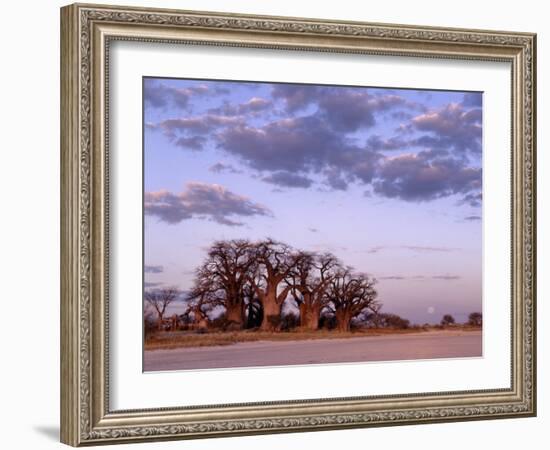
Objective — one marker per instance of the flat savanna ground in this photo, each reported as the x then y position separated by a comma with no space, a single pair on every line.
183,350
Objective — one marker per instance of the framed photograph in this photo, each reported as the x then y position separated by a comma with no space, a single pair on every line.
276,225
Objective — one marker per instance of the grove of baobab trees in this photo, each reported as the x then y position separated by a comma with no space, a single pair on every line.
252,280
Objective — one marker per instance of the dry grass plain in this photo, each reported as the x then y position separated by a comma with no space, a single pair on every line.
191,339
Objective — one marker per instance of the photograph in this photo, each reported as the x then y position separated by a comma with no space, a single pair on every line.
295,224
309,221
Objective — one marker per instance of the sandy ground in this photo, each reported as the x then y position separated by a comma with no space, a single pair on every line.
428,345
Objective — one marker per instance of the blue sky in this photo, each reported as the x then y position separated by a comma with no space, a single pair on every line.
389,180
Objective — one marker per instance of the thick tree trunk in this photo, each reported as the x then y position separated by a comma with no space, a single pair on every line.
309,317
234,314
272,312
343,321
313,318
303,315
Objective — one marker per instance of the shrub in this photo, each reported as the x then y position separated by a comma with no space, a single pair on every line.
328,322
289,322
475,319
395,321
447,320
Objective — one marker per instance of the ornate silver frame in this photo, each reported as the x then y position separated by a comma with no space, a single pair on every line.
86,31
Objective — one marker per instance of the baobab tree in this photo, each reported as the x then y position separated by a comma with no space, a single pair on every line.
159,299
252,281
348,295
274,261
223,275
308,279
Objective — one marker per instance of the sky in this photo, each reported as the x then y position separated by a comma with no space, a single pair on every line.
389,180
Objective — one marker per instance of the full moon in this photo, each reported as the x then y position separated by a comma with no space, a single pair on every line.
431,310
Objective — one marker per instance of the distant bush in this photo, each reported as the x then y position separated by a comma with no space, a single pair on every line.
385,320
395,321
289,322
475,319
447,320
327,322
